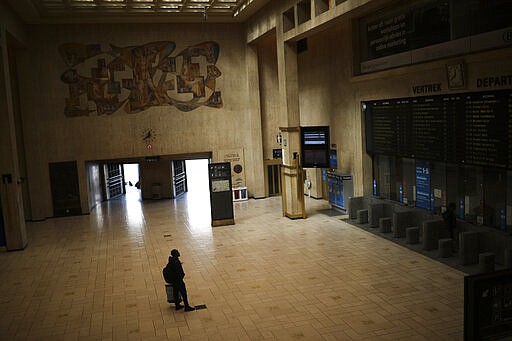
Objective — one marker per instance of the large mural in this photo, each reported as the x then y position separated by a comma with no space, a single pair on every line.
136,78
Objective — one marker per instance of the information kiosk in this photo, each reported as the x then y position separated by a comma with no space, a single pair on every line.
221,200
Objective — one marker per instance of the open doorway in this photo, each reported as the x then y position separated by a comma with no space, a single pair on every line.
131,180
198,196
197,177
155,178
167,179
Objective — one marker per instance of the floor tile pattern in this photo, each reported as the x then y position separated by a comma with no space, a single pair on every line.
99,277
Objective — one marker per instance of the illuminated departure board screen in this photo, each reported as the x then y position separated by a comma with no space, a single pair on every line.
468,128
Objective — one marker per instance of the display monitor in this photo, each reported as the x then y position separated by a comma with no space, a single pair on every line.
315,146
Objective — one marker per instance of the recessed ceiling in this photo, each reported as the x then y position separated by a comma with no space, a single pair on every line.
95,11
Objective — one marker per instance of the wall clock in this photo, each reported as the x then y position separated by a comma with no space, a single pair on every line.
455,75
148,137
238,168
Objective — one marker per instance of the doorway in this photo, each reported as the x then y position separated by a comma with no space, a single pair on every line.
197,176
64,188
167,179
131,180
197,199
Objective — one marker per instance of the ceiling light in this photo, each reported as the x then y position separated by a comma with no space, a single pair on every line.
241,8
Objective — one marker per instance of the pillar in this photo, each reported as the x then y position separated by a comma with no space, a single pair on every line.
256,180
292,176
10,181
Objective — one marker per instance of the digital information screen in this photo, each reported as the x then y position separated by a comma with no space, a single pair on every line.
469,128
315,146
315,138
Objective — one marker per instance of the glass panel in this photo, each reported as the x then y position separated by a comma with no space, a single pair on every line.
396,177
408,182
388,179
383,177
508,213
454,194
489,15
431,24
472,186
481,196
438,178
495,196
418,24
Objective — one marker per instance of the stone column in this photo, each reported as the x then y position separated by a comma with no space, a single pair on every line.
256,180
10,181
291,171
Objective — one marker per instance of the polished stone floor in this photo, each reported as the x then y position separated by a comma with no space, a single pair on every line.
99,277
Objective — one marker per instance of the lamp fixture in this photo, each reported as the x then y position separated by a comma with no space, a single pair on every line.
242,7
205,14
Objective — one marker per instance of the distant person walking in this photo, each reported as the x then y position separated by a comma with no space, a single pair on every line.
450,218
174,274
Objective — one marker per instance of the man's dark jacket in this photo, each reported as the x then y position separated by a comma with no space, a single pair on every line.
173,271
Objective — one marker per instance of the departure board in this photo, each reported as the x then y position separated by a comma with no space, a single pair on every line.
389,126
467,128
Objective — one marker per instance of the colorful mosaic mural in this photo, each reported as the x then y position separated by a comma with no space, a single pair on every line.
136,78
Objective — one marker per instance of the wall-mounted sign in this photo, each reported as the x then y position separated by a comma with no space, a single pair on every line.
236,158
426,89
277,153
494,81
333,158
388,35
423,184
220,186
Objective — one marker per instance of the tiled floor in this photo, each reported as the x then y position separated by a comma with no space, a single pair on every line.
267,277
